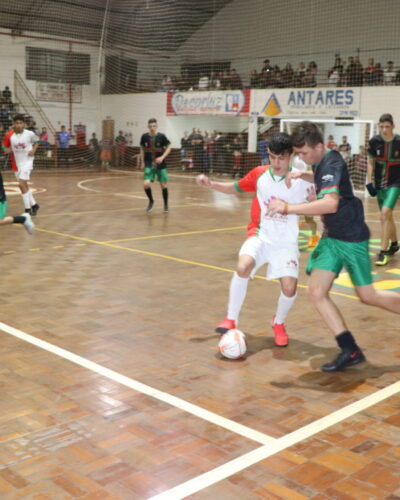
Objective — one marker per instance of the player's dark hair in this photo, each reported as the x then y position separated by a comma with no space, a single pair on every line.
386,117
280,143
19,117
306,134
151,120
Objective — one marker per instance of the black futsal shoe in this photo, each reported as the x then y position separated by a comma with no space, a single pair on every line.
35,209
394,247
345,358
150,207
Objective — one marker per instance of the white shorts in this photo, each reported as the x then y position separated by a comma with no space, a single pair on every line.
281,261
24,174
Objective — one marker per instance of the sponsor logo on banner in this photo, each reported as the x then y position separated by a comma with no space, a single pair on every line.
218,102
307,102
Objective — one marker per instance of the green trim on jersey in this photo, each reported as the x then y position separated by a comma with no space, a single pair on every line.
327,190
236,186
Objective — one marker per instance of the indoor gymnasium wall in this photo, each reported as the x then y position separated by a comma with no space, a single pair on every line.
13,56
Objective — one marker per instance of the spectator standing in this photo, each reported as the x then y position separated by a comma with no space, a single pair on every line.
287,75
63,139
94,150
351,72
369,72
7,96
263,150
120,143
389,74
345,144
331,144
254,79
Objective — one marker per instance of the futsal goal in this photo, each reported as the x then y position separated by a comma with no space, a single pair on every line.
350,137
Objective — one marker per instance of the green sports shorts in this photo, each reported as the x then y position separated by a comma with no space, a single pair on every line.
334,255
388,197
151,173
3,209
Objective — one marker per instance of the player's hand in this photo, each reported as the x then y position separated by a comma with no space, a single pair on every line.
203,180
31,153
311,194
276,206
371,189
7,150
159,160
291,176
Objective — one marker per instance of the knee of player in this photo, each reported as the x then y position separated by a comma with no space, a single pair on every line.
368,296
385,214
244,270
289,289
316,293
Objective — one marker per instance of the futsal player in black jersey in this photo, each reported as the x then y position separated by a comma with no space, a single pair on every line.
383,181
344,243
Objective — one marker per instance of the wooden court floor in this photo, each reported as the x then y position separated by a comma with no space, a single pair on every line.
111,384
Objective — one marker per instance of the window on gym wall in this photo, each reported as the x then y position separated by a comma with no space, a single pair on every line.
120,75
57,66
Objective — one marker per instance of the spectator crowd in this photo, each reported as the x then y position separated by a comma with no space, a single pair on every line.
341,74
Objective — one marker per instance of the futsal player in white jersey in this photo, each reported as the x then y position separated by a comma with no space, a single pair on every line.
271,240
22,143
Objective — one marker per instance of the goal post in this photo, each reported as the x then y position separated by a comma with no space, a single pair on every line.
357,134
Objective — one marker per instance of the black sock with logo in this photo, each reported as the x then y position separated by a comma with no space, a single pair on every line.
346,341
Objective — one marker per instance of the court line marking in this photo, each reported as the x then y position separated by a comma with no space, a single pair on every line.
251,458
202,231
169,257
80,185
174,401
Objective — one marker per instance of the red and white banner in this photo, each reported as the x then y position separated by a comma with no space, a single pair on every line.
209,103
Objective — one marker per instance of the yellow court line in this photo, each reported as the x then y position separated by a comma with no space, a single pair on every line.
168,257
112,210
176,234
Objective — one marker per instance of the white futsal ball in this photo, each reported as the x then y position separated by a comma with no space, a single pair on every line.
232,344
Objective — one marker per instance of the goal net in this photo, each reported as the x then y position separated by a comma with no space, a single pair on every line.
350,138
105,67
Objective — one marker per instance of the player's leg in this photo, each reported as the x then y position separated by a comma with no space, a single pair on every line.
283,264
18,219
247,262
324,265
23,178
163,178
387,199
149,174
390,203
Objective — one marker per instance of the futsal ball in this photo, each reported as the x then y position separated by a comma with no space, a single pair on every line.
232,344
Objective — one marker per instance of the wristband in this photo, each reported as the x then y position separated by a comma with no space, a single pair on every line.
286,209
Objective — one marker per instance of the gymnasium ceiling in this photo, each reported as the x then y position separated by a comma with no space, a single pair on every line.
153,24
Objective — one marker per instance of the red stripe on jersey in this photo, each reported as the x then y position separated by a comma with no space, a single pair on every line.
7,144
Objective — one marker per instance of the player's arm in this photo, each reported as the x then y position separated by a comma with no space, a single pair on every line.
6,149
222,187
141,166
161,158
370,172
328,204
33,150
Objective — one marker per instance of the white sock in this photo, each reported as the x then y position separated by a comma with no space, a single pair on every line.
237,294
31,198
26,199
284,305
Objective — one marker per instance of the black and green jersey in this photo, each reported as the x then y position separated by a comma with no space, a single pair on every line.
347,223
2,190
154,146
387,161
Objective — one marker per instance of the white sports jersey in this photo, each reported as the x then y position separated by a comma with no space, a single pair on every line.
279,230
21,144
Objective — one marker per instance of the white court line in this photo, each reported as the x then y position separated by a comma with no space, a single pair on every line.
80,185
183,405
238,464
